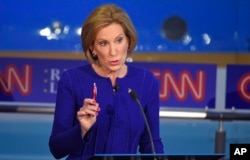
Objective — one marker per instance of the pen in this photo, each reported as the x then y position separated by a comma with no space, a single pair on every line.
94,91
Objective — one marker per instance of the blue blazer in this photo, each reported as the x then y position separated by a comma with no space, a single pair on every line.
119,128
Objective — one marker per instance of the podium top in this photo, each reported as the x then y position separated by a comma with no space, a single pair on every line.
157,157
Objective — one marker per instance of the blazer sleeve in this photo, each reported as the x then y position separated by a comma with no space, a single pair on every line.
66,131
151,110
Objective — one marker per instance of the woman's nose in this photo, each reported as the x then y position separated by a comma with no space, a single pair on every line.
113,50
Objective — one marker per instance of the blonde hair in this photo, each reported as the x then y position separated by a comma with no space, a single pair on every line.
100,18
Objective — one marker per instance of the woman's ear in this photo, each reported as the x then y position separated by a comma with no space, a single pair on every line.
93,55
91,49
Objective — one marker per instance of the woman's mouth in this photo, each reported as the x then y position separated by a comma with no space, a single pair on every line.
114,63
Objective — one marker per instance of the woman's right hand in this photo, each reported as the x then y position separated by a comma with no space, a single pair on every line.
87,114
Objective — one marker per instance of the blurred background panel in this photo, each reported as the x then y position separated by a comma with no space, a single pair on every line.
163,26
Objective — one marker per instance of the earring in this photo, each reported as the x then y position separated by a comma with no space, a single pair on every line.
94,55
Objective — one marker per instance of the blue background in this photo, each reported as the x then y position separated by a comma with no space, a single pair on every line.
227,23
234,74
39,73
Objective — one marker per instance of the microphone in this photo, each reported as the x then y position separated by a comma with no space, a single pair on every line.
135,97
116,88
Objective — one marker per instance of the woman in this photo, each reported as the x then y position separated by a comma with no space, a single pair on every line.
94,112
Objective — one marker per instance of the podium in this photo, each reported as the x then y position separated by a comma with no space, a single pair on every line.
157,157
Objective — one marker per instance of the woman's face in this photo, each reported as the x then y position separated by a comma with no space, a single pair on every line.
111,46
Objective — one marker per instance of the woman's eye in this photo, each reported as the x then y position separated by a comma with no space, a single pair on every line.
119,40
102,43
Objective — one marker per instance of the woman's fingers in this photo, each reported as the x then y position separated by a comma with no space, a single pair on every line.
88,101
90,107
